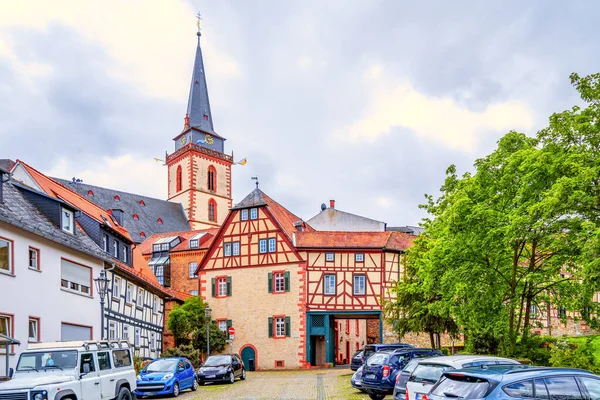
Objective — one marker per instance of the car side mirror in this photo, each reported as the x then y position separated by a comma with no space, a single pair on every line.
86,368
11,372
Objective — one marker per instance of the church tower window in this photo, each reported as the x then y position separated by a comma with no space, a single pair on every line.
178,179
212,178
212,210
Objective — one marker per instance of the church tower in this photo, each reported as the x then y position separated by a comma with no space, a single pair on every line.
199,170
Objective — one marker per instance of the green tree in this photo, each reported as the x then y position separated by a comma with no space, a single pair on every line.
188,324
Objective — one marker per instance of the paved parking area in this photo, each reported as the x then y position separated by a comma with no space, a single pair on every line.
306,385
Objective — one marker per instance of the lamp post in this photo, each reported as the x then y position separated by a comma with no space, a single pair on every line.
101,288
207,312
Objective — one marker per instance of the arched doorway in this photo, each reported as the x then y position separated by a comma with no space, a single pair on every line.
249,357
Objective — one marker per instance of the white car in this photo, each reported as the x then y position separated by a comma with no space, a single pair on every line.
87,370
429,371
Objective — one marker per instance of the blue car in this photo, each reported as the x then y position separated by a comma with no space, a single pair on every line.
166,376
516,382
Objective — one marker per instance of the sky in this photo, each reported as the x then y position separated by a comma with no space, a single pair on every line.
363,101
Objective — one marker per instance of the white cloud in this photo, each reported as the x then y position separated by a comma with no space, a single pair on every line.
438,119
127,173
151,40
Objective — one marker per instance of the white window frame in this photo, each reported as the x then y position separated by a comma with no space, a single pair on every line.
74,287
116,290
227,249
358,288
359,257
279,327
126,332
125,254
36,252
129,293
244,214
329,284
152,340
36,335
10,258
112,330
137,338
272,245
329,257
235,248
223,325
194,243
115,249
105,242
193,266
194,292
222,287
70,227
262,246
140,297
279,282
254,213
8,328
155,304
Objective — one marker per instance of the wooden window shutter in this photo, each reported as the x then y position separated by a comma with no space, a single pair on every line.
287,326
270,326
229,323
213,283
287,280
228,286
270,282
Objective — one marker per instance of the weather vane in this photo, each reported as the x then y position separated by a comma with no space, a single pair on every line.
255,178
198,19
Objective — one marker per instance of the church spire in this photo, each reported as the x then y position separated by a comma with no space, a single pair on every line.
198,110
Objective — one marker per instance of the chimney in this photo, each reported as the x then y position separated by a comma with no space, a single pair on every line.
331,203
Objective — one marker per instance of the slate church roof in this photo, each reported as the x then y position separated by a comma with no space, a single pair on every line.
141,214
198,109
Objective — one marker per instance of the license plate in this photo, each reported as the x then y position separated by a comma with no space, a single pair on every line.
369,376
211,376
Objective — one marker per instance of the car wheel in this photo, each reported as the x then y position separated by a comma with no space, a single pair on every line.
243,377
195,385
175,389
377,396
124,394
231,377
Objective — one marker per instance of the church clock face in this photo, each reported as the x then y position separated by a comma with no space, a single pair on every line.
208,139
183,140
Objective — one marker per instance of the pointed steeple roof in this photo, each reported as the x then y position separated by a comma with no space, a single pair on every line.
198,110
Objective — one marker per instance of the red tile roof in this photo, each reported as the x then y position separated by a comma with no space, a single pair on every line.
356,240
285,218
55,189
146,246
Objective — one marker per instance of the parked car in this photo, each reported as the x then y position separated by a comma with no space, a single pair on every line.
357,360
166,376
428,372
221,368
380,370
356,380
402,378
371,349
70,370
510,383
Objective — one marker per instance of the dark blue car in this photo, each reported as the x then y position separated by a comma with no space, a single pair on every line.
380,370
357,360
166,376
516,382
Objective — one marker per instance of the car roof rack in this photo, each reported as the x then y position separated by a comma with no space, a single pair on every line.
539,369
88,345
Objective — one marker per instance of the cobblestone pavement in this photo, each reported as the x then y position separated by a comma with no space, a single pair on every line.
325,384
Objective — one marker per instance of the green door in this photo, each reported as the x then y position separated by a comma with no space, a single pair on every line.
249,358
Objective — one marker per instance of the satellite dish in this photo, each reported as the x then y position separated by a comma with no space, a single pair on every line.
323,207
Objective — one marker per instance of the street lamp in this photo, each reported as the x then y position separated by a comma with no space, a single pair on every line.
207,312
102,288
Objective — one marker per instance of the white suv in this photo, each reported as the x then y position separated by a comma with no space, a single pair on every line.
73,371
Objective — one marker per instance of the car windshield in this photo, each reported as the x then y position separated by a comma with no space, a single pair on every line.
428,373
463,387
47,359
377,359
217,361
410,367
161,366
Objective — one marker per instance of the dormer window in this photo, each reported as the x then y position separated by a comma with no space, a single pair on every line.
116,249
136,217
160,221
117,198
90,193
125,255
194,244
104,242
254,213
244,214
142,234
142,203
67,220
